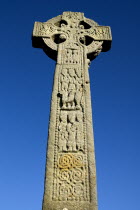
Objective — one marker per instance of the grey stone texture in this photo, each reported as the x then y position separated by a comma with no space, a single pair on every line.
73,41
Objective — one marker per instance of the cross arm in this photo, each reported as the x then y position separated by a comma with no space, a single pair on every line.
45,30
100,33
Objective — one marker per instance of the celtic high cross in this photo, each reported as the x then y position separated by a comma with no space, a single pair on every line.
73,41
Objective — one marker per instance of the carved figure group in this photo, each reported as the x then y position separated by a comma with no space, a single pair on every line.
70,131
71,88
71,56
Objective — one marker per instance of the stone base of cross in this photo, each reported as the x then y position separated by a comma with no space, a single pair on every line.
73,41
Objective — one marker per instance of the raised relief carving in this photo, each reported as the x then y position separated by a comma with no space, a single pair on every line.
73,18
71,177
71,88
70,131
79,131
71,128
64,80
63,135
73,15
70,161
44,29
71,56
99,32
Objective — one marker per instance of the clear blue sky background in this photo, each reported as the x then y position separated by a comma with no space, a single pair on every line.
26,76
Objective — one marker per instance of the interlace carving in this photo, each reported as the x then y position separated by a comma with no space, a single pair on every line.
71,177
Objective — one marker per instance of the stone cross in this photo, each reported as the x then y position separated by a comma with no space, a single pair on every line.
73,41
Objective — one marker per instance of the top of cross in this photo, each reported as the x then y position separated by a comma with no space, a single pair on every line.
71,27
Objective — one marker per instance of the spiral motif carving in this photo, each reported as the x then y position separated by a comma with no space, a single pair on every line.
65,175
69,161
77,175
78,189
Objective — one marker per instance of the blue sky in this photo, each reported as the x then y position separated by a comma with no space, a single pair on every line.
26,76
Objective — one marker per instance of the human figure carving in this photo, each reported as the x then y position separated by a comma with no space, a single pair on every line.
79,131
71,128
64,80
78,72
63,132
64,83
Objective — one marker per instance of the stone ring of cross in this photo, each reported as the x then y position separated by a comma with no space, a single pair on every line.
72,28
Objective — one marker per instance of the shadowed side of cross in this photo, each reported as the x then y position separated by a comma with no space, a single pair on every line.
71,27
